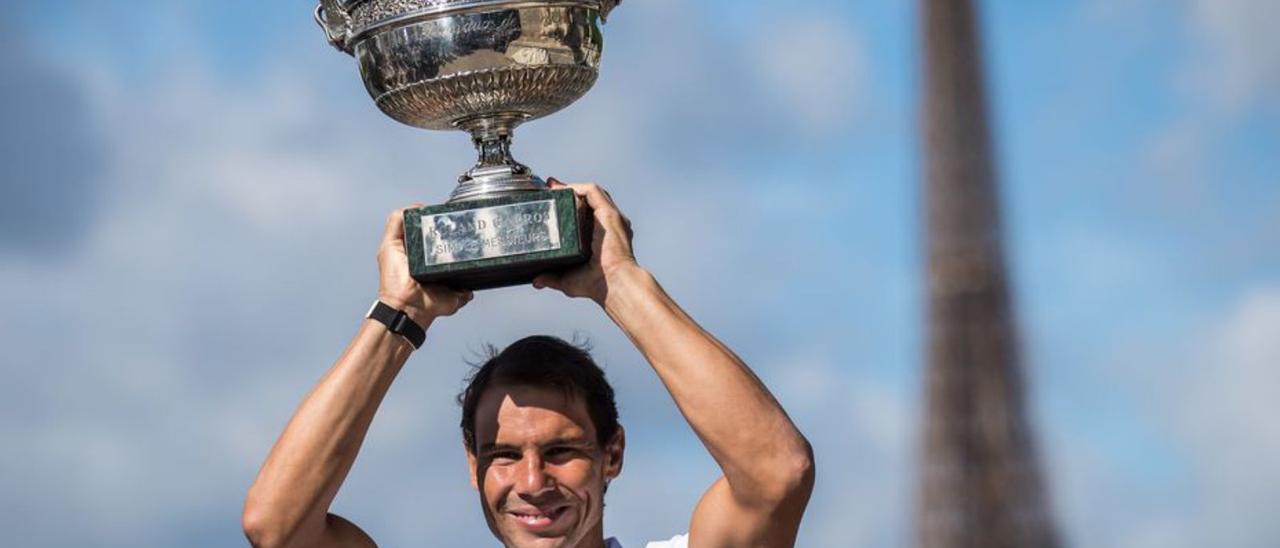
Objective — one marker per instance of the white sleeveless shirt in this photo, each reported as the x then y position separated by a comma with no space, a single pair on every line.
678,541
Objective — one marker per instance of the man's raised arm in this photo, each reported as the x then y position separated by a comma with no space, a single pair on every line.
767,464
288,504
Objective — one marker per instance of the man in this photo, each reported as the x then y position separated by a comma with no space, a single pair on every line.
539,422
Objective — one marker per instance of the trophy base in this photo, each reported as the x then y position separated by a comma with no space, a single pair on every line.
497,242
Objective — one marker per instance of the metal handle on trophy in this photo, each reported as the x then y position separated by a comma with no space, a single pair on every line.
336,23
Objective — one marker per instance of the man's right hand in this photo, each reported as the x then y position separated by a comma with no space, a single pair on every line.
423,303
288,504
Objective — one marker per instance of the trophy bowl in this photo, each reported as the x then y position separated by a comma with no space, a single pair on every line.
481,66
446,72
484,67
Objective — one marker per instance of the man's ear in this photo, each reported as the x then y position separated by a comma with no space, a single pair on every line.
613,454
471,464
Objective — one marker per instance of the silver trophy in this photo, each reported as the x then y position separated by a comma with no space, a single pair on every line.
484,67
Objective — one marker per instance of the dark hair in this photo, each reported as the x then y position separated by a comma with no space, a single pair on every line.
543,361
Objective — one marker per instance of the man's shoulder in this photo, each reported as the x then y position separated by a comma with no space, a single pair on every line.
678,541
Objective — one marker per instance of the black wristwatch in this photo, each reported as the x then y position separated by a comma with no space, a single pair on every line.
398,322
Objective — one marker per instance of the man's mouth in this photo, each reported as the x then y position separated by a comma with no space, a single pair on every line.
538,519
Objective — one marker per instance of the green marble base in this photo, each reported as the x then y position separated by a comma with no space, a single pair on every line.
497,242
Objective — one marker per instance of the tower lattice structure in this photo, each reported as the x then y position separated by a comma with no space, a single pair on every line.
980,483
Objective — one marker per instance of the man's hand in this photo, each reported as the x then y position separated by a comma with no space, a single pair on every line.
288,504
423,303
767,464
611,252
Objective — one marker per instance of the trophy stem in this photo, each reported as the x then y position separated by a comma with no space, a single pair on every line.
496,173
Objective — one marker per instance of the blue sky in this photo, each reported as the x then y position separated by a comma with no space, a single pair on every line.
180,174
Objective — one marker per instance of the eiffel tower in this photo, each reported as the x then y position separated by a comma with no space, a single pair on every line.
980,483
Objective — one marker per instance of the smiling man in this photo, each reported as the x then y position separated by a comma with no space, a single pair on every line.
539,422
543,440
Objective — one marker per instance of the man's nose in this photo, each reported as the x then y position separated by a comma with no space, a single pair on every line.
533,478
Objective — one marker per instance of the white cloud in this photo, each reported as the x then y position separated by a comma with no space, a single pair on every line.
1222,397
815,69
1203,470
1227,418
1115,11
1226,77
1178,158
1238,62
1232,54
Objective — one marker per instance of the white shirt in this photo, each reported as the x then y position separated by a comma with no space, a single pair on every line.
678,541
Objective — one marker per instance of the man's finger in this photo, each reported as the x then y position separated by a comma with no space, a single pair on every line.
595,196
395,224
547,280
461,298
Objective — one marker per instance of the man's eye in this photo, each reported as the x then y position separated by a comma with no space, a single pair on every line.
561,453
504,456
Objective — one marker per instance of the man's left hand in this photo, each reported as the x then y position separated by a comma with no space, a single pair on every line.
611,252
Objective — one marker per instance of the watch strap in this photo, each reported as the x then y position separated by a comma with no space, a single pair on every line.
398,322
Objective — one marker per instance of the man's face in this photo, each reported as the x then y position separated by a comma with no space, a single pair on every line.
538,467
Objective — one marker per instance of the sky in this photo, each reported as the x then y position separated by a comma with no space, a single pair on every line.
191,196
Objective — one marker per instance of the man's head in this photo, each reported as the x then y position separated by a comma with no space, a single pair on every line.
543,440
